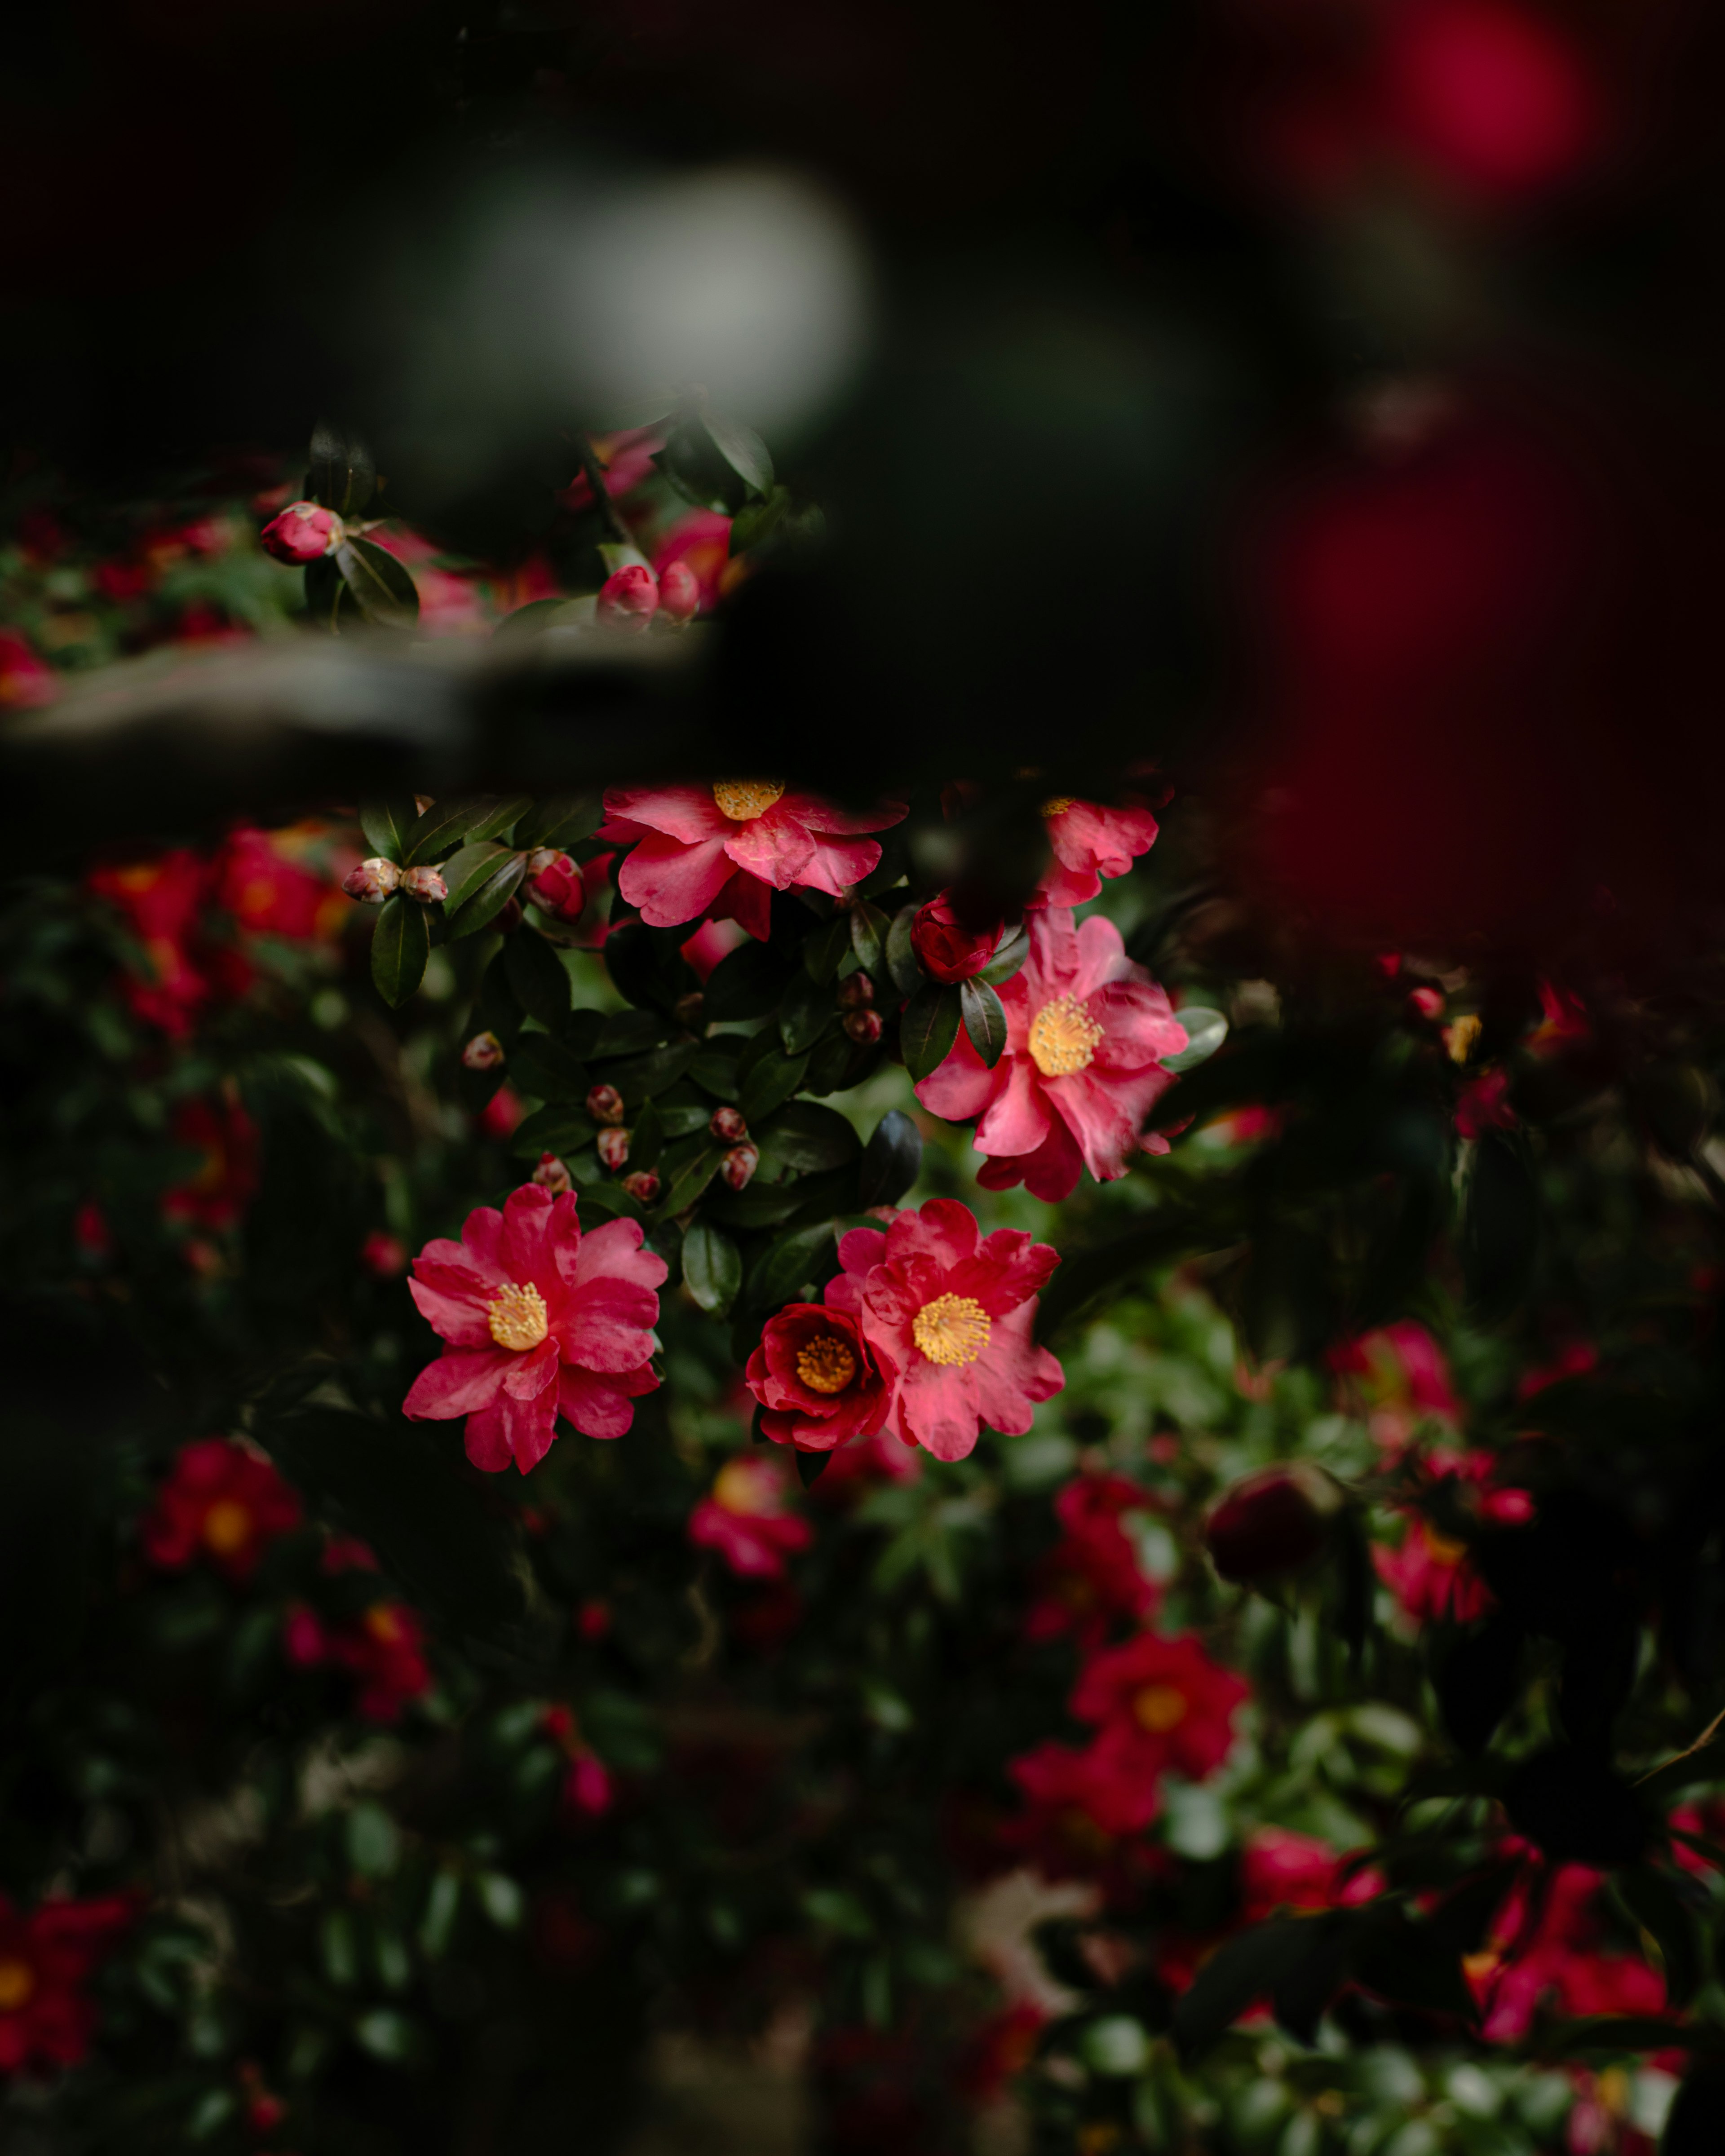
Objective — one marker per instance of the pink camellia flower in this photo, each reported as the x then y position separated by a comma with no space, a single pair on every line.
1091,1577
629,598
303,532
1089,842
540,1321
45,1958
723,849
1401,1372
26,679
954,941
949,1314
222,1501
1175,1704
1085,1031
1281,1869
679,592
746,1519
817,1381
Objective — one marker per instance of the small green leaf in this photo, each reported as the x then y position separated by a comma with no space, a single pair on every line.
712,1268
338,1943
386,825
445,825
487,902
1205,1032
825,946
901,961
401,944
563,820
984,1021
788,1266
892,1160
870,928
1007,960
342,476
805,1139
464,871
688,1179
804,1014
772,1080
373,1844
929,1027
743,449
509,808
811,1466
539,978
381,587
437,1923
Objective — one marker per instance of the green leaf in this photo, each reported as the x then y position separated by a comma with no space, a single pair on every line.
386,825
551,1129
629,1032
509,808
464,871
825,946
401,944
445,825
646,1139
892,1160
759,519
563,820
338,1946
715,1069
804,1014
539,978
1007,960
342,476
1205,1032
1171,1232
1245,1968
1501,1224
640,1077
486,901
501,1899
743,450
902,960
689,1178
437,1923
746,984
545,1069
805,1139
382,589
712,1268
373,1844
811,1466
788,1266
984,1021
771,1080
1657,1906
870,928
929,1027
388,2035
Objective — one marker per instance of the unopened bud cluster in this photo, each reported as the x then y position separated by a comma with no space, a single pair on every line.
426,885
371,882
630,598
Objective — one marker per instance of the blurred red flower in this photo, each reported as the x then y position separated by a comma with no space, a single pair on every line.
45,2020
223,1502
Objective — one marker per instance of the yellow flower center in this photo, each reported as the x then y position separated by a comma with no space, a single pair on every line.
1057,804
17,1985
951,1329
385,1627
227,1526
1443,1549
1460,1036
1064,1038
517,1317
1159,1708
826,1364
743,799
740,1487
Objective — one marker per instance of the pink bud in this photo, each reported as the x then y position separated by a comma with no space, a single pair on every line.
864,1026
303,532
484,1052
371,882
857,993
604,1104
613,1147
1272,1522
426,885
1426,1003
541,859
727,1123
629,598
383,1255
552,1175
557,885
643,1186
679,592
739,1165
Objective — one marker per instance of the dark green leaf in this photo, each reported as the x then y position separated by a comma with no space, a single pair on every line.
1405,1961
508,809
789,1267
401,944
1306,1988
630,1033
1655,1905
712,1268
545,1069
929,1027
465,871
381,587
563,820
389,2035
539,978
746,984
1007,959
557,1129
824,946
771,1080
870,928
486,901
342,476
1244,1969
984,1021
689,1176
804,1014
811,1466
445,825
1576,1808
437,1924
715,1069
743,450
1171,1232
1695,2125
646,1139
636,959
386,825
892,1160
804,1138
642,1076
373,1842
902,960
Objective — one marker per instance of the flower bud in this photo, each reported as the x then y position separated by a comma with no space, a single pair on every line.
371,882
383,1255
556,887
856,992
679,592
951,945
727,1123
613,1147
1271,1522
739,1164
422,801
303,532
484,1052
541,859
629,598
552,1175
604,1104
643,1186
426,885
863,1027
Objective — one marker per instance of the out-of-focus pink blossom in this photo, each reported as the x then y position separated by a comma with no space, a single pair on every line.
747,1520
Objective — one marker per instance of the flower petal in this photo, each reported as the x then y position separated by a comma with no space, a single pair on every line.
453,1300
672,882
1014,1373
457,1383
774,847
601,1406
685,813
963,1086
936,1404
1017,1118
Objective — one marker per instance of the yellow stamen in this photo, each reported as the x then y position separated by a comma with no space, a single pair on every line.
1444,1551
826,1364
743,799
1460,1035
383,1624
740,1487
953,1329
17,1985
227,1526
1064,1038
1159,1708
517,1317
1057,804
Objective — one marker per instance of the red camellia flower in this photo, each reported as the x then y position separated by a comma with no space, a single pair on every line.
948,1314
1281,1869
952,944
1544,1945
160,900
218,1193
1085,1030
629,598
1431,1575
814,1374
270,894
1089,842
1092,1578
382,1649
45,2020
1271,1522
222,1501
723,849
746,1519
1082,1805
1175,1705
303,532
25,679
542,1320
